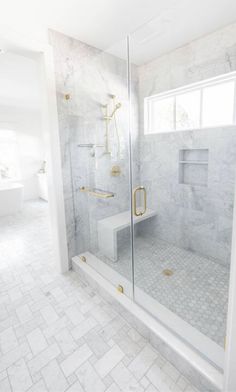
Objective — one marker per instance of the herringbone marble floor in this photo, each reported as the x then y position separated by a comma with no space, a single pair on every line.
56,333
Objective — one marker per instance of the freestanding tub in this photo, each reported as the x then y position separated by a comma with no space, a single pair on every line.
11,198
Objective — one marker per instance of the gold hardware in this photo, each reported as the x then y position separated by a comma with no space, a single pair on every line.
67,97
167,272
108,117
83,189
136,211
115,171
83,258
120,289
100,194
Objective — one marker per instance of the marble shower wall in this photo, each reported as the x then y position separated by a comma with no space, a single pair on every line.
194,217
90,76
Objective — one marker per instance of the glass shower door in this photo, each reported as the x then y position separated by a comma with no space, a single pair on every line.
183,193
99,148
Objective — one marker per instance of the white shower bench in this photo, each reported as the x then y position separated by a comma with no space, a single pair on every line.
109,227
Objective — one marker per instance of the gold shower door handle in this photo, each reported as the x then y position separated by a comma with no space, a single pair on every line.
136,211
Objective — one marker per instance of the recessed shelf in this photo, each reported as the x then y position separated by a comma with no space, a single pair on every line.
193,167
194,162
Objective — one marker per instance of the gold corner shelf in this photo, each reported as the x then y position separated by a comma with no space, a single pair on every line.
99,193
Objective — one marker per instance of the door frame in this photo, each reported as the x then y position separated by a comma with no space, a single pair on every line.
43,54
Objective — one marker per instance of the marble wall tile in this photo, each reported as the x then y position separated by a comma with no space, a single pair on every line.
196,217
90,76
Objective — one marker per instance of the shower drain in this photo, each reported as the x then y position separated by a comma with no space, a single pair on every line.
167,272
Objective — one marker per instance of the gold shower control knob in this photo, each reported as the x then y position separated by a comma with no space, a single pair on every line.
83,258
115,171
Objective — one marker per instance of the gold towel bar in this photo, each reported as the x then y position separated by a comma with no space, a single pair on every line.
99,193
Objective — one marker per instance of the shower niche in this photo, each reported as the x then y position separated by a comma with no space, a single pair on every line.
193,166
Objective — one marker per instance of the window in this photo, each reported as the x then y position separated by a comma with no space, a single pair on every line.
206,104
188,110
165,119
218,104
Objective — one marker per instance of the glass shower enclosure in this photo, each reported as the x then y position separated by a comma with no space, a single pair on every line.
153,168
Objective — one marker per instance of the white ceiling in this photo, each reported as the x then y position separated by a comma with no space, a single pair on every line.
102,23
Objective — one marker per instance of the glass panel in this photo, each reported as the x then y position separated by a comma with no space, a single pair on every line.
218,105
188,110
182,236
99,154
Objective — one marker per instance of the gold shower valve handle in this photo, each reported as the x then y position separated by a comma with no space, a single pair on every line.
136,211
115,171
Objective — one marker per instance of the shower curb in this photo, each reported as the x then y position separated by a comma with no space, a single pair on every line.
199,371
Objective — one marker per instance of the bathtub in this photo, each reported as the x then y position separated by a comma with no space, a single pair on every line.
11,198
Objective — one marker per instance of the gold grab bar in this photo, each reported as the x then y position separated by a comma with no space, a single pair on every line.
136,211
99,193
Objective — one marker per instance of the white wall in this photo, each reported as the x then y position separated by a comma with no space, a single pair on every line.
20,112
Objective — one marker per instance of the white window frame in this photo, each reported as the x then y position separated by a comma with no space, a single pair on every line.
148,101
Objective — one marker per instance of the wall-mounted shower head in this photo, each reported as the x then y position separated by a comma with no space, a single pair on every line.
108,117
117,106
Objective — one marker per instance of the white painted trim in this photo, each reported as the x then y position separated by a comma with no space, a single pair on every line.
197,85
55,182
17,43
183,350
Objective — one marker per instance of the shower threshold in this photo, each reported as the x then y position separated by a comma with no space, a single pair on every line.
201,353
